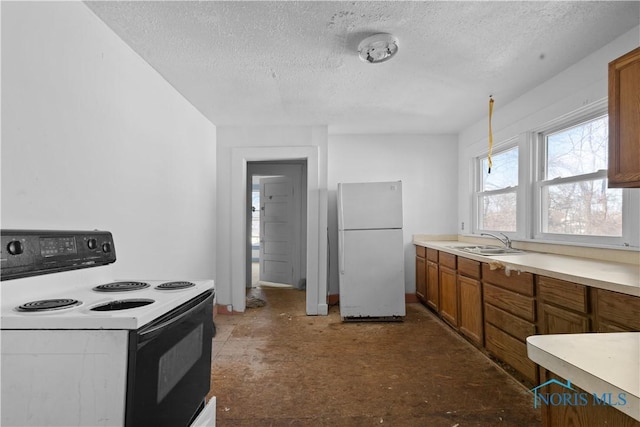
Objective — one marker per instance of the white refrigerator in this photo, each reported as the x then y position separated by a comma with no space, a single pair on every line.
371,251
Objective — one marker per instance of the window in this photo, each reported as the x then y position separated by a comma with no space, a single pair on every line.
496,195
573,193
550,185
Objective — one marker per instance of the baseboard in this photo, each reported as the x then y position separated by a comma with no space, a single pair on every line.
411,298
223,310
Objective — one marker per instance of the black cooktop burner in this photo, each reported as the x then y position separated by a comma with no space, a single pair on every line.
121,286
175,285
49,304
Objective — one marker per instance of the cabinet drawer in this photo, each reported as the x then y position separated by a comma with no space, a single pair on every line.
565,294
509,323
432,255
511,351
521,283
555,320
468,267
520,305
604,326
448,260
421,251
619,308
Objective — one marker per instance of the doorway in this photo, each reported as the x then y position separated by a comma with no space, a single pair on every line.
276,226
315,261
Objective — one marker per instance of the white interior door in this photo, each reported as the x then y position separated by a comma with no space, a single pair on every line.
276,236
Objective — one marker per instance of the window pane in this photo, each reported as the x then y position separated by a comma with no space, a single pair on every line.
583,208
498,212
578,150
504,172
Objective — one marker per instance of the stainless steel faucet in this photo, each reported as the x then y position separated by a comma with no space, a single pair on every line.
506,241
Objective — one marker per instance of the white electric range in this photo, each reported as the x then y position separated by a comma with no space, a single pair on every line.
80,349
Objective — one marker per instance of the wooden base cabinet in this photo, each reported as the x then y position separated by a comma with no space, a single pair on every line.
470,300
421,273
616,312
433,280
498,310
509,318
563,306
448,289
585,414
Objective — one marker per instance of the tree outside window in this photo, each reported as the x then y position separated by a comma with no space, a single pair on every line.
497,195
575,199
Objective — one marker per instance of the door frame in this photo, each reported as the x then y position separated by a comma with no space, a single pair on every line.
316,224
296,170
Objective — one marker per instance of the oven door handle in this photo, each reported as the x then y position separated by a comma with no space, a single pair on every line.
153,329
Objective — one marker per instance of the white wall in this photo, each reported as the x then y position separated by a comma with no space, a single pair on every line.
93,137
427,167
579,86
236,146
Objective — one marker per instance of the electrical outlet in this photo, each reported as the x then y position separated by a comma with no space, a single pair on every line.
462,225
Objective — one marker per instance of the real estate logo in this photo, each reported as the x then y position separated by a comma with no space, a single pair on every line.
572,397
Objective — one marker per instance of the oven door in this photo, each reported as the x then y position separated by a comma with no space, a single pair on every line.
170,366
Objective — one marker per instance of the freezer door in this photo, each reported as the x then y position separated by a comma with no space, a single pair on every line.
371,205
371,264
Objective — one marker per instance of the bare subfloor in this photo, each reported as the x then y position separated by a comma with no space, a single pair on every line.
275,366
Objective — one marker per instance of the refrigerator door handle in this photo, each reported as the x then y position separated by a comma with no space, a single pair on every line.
341,251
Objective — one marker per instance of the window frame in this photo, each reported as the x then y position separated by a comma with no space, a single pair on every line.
539,182
528,199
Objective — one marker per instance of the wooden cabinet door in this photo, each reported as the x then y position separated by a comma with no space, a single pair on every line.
563,306
433,286
624,121
587,414
470,313
449,296
421,278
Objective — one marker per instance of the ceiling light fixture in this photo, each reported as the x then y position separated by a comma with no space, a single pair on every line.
378,48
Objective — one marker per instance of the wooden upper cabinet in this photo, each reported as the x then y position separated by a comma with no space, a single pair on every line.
624,121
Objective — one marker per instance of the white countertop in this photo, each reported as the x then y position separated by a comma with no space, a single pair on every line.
597,363
613,276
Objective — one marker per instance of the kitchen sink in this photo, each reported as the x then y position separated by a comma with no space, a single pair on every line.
487,250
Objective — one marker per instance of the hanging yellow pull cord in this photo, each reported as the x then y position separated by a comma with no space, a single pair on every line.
490,132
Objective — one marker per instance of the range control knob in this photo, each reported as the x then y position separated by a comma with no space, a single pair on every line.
106,247
15,247
92,243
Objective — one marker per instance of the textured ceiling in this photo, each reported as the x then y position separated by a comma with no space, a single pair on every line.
296,62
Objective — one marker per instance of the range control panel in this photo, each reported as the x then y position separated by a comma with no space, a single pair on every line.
25,253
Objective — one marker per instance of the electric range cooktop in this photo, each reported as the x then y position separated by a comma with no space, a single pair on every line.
49,281
120,304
